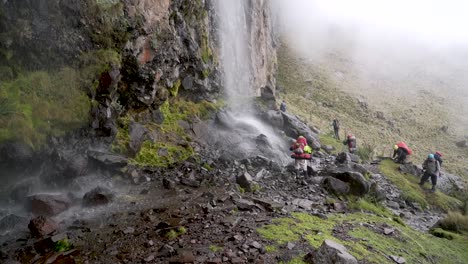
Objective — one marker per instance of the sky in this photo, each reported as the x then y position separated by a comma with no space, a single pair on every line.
440,22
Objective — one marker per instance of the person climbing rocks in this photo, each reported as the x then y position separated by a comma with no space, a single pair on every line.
431,169
301,154
283,106
351,142
400,152
336,128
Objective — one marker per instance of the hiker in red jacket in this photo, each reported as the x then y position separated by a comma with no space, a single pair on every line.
351,142
301,153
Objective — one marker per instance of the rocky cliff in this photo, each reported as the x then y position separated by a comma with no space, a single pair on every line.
131,63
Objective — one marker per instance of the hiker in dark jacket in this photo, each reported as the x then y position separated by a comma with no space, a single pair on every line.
399,154
351,142
431,169
336,128
283,106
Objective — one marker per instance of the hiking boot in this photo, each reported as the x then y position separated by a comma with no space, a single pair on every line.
433,189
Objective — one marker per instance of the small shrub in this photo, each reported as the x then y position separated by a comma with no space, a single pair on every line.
215,248
365,152
62,245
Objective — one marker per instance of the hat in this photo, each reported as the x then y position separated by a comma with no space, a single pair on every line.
395,147
430,156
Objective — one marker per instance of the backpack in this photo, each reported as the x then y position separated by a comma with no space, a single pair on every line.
298,148
308,149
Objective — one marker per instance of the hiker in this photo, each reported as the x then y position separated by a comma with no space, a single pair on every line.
400,152
336,128
301,153
283,106
431,169
351,142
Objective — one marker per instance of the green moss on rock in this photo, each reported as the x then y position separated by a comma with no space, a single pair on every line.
161,154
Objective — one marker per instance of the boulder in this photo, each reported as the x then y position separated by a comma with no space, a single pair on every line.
410,168
449,183
12,221
343,157
41,226
136,132
293,127
328,148
331,252
48,204
15,153
245,181
303,203
358,185
98,196
274,118
335,186
110,160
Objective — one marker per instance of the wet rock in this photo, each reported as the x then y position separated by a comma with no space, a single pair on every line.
22,189
48,204
335,186
303,203
262,142
339,207
136,132
410,168
244,205
449,183
41,226
47,244
168,184
245,181
398,259
184,256
12,221
268,204
261,174
293,127
166,251
108,159
15,154
274,118
331,252
343,157
191,182
358,185
98,196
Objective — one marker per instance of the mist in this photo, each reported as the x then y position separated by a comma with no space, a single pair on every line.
396,48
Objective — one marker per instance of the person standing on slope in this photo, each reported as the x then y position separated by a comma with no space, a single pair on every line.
431,169
301,153
336,128
399,154
283,106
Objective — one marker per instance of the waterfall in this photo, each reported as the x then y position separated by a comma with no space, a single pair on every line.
235,53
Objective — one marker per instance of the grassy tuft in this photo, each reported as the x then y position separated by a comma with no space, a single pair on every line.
455,222
215,248
366,205
161,154
438,232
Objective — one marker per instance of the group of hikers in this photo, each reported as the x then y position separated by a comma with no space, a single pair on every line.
302,152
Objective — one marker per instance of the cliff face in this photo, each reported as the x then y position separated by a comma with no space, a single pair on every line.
159,48
113,67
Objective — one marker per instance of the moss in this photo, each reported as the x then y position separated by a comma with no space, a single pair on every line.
328,139
161,154
366,242
455,221
207,166
215,248
62,245
206,52
412,192
122,139
368,206
174,90
39,104
270,248
241,190
205,73
174,233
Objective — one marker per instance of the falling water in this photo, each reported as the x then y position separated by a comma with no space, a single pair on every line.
237,58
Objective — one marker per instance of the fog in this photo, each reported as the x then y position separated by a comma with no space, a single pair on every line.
393,46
